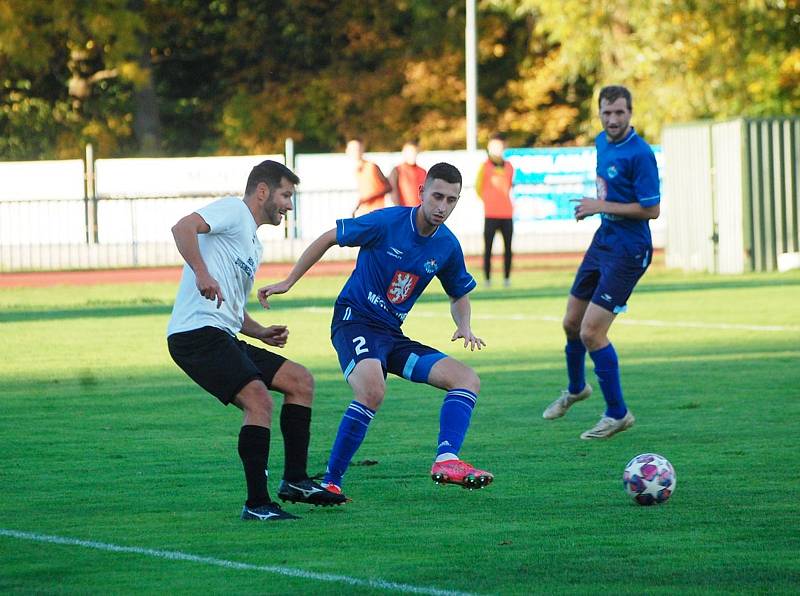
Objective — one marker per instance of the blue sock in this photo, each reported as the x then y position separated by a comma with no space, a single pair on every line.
352,430
576,356
606,367
454,420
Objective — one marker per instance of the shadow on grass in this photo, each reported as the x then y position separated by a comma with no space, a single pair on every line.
479,295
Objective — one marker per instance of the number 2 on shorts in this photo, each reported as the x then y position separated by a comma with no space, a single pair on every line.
360,342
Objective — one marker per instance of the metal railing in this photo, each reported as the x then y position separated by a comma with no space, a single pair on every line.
110,232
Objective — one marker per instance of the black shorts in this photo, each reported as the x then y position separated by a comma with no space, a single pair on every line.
220,363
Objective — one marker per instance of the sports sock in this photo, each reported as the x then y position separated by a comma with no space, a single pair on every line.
454,420
576,356
254,451
296,431
352,430
606,367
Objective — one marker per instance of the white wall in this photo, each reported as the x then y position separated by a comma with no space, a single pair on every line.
53,192
175,176
140,200
150,219
41,180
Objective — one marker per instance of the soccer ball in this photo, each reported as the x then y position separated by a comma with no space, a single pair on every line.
649,479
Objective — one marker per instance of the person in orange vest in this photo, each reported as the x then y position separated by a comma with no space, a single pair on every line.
372,184
407,177
493,186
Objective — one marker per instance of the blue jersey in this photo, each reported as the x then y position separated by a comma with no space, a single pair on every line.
626,173
395,264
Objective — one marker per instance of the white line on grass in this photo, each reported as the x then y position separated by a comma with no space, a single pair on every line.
620,321
179,556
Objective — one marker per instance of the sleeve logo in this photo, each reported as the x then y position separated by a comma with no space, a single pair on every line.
602,189
402,285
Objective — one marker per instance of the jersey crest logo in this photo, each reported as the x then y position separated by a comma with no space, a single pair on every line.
402,285
612,171
431,265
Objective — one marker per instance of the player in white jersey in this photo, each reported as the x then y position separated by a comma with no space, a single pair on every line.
222,253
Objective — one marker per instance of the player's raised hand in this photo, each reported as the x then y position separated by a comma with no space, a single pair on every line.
274,335
470,339
209,287
279,288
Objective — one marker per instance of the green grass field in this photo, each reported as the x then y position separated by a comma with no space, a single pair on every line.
119,475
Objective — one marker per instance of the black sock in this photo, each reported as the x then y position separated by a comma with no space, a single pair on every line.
254,451
296,430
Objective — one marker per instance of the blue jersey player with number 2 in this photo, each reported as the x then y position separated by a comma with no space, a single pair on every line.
628,197
401,250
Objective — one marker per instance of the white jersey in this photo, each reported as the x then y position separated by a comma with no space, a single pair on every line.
232,252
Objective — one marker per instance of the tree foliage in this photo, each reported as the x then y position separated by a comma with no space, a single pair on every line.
68,69
683,59
185,77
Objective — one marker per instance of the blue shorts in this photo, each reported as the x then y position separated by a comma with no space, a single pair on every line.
356,338
607,277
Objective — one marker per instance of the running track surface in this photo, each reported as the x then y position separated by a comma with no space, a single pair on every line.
274,271
267,271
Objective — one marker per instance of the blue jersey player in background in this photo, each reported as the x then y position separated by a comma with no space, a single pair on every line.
401,250
621,250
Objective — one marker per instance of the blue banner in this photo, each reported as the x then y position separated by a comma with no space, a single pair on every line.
546,180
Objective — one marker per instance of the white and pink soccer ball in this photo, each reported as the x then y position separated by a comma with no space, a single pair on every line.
649,479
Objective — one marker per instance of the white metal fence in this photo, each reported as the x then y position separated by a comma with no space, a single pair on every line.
118,213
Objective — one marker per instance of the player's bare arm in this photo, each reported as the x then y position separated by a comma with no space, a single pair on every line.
274,335
479,181
185,233
310,256
461,311
394,182
377,195
588,206
387,188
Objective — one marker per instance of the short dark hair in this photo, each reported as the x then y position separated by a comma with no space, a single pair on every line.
497,136
612,93
270,173
444,171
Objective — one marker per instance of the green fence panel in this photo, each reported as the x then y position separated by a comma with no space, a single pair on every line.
772,200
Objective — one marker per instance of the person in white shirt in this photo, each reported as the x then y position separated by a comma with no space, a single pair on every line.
222,253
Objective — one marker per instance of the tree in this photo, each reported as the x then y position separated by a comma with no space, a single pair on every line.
69,69
194,77
683,59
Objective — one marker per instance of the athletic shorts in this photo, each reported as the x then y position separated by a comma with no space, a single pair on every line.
355,339
220,363
607,277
